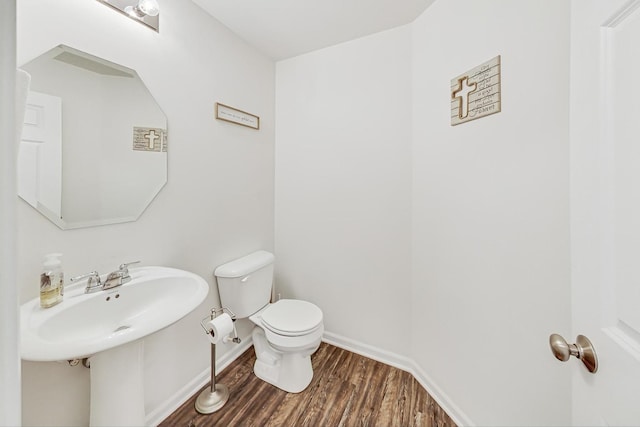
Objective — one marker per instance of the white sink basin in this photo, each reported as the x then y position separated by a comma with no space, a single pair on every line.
85,324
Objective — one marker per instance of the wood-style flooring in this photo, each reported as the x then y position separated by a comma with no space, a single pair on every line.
347,390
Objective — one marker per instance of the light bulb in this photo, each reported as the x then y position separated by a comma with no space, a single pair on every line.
149,7
133,12
143,8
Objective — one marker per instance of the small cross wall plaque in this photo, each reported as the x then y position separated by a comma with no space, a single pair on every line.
476,93
149,139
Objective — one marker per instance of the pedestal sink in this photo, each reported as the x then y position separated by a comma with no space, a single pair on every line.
107,327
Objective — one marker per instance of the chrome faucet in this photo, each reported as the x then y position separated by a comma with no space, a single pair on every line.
93,282
114,279
118,277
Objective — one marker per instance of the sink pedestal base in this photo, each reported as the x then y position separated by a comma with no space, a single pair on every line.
117,388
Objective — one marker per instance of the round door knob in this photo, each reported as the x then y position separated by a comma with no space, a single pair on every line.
582,349
559,347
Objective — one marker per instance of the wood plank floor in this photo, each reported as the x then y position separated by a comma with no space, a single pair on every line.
347,390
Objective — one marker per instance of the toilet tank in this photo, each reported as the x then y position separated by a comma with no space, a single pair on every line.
245,283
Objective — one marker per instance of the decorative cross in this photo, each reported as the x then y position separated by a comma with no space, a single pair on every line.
464,90
151,136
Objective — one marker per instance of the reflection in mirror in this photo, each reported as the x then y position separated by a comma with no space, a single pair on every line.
94,142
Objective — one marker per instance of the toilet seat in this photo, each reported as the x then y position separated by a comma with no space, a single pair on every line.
292,318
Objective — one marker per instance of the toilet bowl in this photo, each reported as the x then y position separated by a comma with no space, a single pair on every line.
286,333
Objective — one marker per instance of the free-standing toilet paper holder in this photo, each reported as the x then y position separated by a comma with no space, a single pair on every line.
214,397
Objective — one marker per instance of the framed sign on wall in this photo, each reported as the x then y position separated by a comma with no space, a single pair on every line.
239,117
476,93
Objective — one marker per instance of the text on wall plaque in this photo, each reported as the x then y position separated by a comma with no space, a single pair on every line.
476,93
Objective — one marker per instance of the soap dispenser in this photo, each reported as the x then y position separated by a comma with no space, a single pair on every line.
51,281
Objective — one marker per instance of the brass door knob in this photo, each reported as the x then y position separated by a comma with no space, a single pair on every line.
582,349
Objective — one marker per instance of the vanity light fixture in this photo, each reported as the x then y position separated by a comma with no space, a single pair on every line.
146,12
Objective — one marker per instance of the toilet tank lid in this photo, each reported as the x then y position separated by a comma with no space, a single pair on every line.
245,265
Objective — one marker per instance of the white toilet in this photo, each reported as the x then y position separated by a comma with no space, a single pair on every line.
287,331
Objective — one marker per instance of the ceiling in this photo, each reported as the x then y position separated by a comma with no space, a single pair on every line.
285,28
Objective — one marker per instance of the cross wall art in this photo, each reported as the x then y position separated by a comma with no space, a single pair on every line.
476,93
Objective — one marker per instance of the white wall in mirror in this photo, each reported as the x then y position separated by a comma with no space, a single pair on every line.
102,179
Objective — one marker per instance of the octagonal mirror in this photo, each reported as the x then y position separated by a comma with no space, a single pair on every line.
94,141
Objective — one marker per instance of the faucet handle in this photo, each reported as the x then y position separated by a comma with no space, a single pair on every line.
93,282
125,266
93,275
124,270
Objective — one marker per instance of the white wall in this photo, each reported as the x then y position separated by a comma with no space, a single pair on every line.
372,182
218,202
490,211
343,183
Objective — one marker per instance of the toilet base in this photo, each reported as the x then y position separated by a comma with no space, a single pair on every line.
291,372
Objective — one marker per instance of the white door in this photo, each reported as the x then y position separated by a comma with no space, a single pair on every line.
605,208
40,154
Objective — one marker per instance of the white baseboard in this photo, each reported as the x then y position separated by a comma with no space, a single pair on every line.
156,416
165,409
406,364
366,350
442,399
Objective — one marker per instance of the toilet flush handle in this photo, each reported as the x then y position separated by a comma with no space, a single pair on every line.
245,278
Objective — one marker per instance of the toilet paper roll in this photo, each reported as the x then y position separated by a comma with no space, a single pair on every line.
219,328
